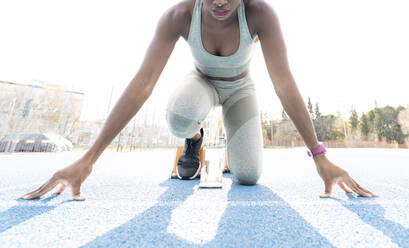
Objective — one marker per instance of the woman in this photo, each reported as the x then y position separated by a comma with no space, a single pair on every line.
222,35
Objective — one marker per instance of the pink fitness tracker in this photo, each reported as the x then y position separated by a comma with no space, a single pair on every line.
318,150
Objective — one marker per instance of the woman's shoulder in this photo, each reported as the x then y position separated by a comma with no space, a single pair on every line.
256,8
254,15
256,5
181,15
257,13
184,8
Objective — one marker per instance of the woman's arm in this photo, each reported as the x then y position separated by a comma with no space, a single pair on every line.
169,29
275,56
141,86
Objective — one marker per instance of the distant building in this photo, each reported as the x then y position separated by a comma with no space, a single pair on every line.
38,108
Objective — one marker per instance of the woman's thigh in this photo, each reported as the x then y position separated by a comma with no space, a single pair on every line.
189,105
244,135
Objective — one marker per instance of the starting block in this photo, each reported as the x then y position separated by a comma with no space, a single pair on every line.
211,175
214,161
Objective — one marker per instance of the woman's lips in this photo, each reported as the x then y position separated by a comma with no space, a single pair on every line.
220,12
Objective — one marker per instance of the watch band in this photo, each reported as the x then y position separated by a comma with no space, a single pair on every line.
318,150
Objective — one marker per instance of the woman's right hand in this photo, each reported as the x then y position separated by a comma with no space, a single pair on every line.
72,176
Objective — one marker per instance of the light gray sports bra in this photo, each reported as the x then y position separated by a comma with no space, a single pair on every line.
220,66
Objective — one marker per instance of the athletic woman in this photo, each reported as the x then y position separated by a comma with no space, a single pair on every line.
222,35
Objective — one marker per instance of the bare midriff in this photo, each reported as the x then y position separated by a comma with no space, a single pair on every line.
241,75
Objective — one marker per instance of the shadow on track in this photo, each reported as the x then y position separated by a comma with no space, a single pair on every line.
374,215
241,226
149,229
256,216
22,212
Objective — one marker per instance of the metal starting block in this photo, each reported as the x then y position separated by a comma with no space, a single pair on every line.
211,174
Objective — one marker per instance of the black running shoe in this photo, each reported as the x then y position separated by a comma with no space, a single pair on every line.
188,166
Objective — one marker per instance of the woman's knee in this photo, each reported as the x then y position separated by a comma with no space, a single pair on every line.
246,180
245,152
189,105
181,126
246,166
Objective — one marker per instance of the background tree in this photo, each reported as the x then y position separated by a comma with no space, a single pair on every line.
317,111
285,131
319,123
364,126
353,120
339,126
371,120
332,133
403,120
387,125
310,110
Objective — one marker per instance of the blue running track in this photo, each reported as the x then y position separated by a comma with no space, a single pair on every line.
131,202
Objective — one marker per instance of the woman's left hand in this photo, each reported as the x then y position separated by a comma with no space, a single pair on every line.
330,174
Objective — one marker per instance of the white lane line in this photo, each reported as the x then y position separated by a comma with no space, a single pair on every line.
73,224
342,227
6,205
197,219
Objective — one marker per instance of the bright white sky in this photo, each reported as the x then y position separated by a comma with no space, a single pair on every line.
342,53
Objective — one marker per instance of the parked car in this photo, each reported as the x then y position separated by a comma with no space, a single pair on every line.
34,142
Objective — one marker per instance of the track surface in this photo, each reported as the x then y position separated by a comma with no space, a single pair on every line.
131,202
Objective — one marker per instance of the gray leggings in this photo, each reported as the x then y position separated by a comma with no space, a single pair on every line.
192,100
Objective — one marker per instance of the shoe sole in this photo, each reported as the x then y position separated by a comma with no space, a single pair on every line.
189,178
